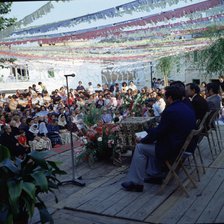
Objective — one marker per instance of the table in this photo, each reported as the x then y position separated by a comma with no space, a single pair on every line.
130,126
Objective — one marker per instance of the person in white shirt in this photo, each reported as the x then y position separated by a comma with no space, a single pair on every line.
35,99
90,88
40,99
132,86
98,88
159,105
38,88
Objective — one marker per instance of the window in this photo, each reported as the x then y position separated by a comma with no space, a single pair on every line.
20,73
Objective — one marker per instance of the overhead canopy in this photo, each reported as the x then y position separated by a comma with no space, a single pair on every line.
134,31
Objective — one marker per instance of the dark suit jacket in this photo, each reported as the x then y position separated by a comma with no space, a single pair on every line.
177,120
200,106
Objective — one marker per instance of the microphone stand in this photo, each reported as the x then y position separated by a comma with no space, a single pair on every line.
74,180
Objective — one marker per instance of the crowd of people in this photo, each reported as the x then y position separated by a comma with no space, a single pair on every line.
35,119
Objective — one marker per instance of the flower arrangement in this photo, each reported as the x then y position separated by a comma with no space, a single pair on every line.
100,142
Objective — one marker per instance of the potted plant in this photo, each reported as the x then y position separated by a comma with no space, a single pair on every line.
22,182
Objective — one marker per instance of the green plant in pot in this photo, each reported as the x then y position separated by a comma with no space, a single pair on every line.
21,184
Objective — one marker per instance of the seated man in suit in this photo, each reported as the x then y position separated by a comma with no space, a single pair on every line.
162,143
199,104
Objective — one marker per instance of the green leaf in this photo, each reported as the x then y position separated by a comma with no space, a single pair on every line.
40,180
14,189
9,164
4,153
44,214
30,189
29,205
39,155
55,166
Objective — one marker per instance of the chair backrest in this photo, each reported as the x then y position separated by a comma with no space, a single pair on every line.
203,121
186,144
208,121
193,137
212,118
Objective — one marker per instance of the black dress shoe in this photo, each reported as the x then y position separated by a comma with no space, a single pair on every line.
130,186
154,180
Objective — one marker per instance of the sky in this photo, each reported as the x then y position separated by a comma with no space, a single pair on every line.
24,8
64,10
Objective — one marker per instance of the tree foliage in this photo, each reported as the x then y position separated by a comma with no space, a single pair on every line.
5,8
165,66
212,58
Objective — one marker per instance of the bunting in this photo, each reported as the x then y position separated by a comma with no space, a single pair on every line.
115,28
45,9
144,39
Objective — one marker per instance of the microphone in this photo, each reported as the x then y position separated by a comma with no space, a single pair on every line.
70,75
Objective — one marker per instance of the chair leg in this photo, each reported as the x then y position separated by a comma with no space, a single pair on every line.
218,140
196,166
210,146
178,180
189,176
180,183
201,160
220,136
167,179
213,141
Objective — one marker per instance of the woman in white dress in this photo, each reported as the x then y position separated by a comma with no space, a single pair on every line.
36,141
64,132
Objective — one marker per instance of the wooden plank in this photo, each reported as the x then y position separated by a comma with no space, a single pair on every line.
135,205
153,202
76,217
220,217
195,210
219,162
89,188
91,196
144,205
177,204
115,198
214,207
107,203
104,193
126,198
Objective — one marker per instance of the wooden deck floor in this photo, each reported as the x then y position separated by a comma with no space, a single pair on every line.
102,200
